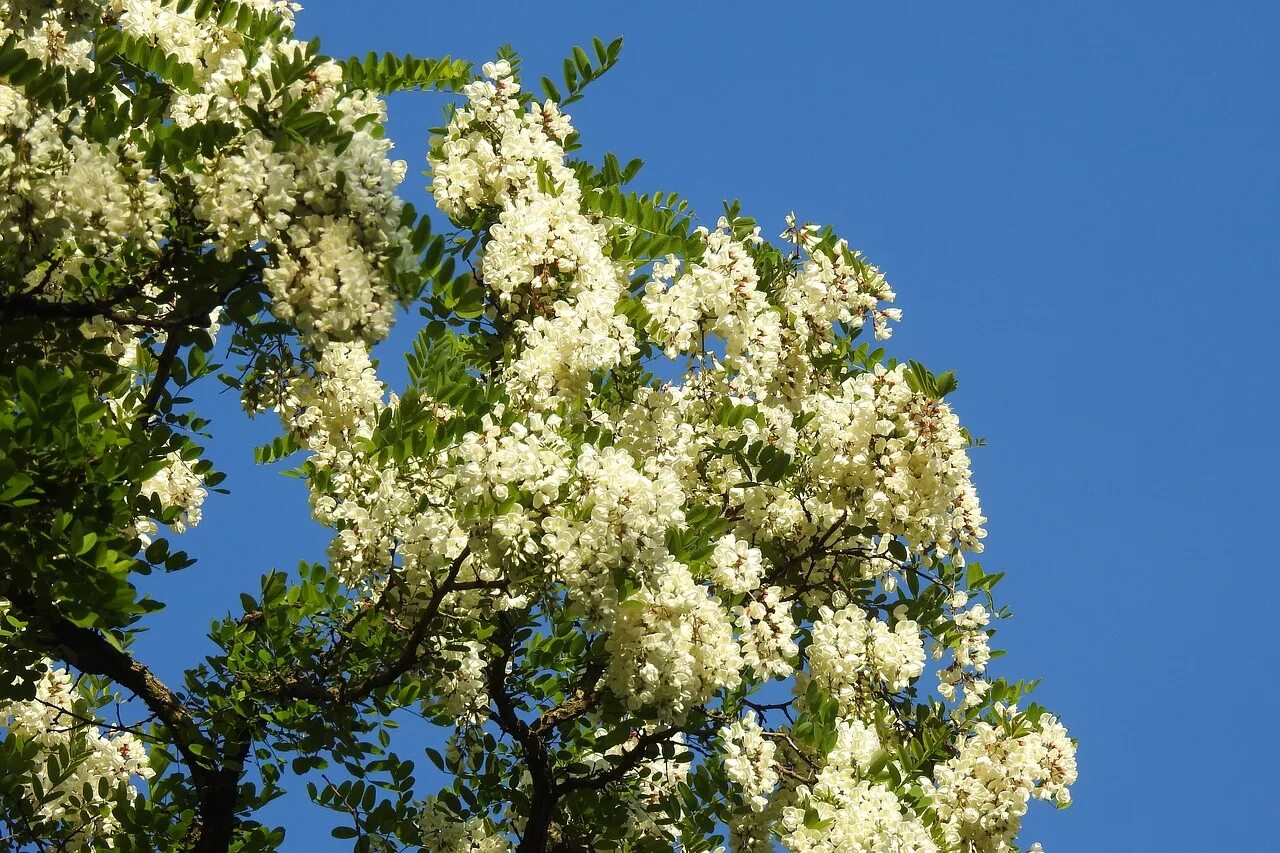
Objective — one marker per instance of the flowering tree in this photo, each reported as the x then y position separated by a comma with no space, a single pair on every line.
653,544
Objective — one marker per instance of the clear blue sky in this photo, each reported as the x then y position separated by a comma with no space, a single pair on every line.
1078,206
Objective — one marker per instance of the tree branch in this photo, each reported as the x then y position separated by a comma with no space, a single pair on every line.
627,762
581,700
542,803
409,657
164,364
89,651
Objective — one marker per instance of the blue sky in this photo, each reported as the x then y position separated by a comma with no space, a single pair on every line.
1077,204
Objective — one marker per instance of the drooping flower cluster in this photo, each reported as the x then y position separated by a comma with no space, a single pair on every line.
835,286
494,151
971,647
672,646
982,792
615,519
60,187
78,773
767,633
461,690
325,214
545,261
329,412
852,654
443,832
735,565
851,814
717,298
857,745
175,486
893,458
495,466
749,761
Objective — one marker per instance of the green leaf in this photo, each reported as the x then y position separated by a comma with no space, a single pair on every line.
15,486
583,62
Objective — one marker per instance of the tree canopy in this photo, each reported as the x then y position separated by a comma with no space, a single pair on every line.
658,544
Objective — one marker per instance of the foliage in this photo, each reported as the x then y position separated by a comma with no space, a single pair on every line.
655,547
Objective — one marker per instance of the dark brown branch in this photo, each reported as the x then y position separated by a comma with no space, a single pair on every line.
89,651
816,547
628,761
409,657
313,683
164,366
545,794
25,304
101,724
580,700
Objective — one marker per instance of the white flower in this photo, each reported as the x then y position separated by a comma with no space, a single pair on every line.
767,634
735,565
852,815
55,721
982,793
672,646
851,652
749,761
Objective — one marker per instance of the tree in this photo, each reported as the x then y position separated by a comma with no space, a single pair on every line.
656,546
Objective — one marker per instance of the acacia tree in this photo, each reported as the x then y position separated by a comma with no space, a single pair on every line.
651,542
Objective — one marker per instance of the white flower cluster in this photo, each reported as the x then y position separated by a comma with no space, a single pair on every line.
383,508
461,689
856,745
852,814
330,212
749,761
894,458
580,339
615,517
330,412
325,214
62,191
54,33
442,832
971,648
672,646
982,793
57,722
834,285
718,296
248,192
537,250
852,654
545,261
197,43
175,485
768,346
493,152
657,430
736,566
498,465
767,633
